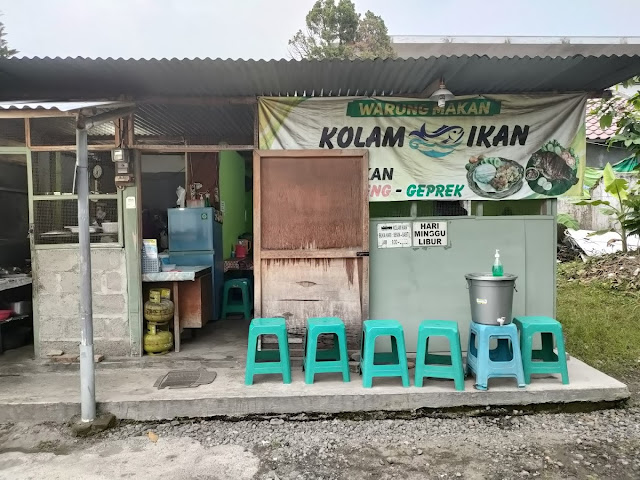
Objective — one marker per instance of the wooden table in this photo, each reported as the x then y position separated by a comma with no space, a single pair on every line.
192,300
245,263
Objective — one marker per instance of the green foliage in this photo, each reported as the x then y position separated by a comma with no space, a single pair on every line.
338,31
568,221
620,210
632,222
5,51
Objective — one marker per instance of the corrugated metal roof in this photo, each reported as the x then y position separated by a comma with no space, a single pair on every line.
68,78
195,124
411,46
60,106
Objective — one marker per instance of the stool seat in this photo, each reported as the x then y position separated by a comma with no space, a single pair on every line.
543,360
503,361
439,365
268,361
333,360
383,364
243,306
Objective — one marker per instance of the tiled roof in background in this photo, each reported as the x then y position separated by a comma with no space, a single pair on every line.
594,131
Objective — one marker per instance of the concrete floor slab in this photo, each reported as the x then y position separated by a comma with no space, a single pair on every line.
125,388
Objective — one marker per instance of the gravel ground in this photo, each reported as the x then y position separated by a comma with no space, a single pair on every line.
602,444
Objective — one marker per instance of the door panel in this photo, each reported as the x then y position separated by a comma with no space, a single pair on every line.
311,237
308,205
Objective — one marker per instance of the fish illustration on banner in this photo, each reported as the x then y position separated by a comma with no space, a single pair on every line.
437,144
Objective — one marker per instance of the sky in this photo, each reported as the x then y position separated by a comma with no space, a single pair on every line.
261,29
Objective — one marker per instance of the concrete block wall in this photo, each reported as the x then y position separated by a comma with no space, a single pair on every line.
56,301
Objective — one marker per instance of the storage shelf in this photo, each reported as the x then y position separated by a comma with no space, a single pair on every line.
9,283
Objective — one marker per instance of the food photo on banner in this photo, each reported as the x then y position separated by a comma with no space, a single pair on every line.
473,148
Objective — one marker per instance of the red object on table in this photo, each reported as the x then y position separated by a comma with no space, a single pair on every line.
241,251
4,314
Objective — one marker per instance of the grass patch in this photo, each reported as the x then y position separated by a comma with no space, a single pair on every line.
602,326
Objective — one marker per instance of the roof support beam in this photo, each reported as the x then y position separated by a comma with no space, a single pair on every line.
24,113
429,89
193,148
87,123
208,101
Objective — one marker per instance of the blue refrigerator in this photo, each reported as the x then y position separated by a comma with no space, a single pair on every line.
195,238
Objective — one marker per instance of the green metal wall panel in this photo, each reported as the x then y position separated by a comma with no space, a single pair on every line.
415,284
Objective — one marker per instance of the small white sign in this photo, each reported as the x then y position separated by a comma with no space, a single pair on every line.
130,202
223,207
394,235
429,234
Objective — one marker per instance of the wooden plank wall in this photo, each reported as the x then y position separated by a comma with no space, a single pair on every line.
311,217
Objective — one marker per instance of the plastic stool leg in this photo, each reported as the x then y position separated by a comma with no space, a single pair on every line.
251,359
285,362
562,358
421,351
527,354
456,361
368,361
341,339
517,359
472,350
401,352
310,359
482,364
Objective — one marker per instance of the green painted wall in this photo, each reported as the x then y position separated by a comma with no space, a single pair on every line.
232,193
248,205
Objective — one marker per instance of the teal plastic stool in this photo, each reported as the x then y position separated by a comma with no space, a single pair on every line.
544,360
333,360
229,305
439,365
503,361
268,361
384,364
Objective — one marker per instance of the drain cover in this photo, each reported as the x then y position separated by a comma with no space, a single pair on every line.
185,379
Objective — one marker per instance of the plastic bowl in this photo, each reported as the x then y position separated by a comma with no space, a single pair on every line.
4,314
167,267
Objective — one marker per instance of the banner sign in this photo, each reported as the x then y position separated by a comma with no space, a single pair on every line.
502,147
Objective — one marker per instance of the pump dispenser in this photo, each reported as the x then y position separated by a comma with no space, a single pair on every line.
497,266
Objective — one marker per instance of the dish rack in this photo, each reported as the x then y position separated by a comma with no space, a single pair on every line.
149,264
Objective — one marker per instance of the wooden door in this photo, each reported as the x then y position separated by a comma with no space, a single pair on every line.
311,237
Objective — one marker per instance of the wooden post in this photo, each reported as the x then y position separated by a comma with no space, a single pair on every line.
27,132
257,238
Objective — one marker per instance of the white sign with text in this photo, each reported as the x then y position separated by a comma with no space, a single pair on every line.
429,234
394,235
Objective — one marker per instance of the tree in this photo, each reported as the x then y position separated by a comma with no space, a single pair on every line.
5,51
338,31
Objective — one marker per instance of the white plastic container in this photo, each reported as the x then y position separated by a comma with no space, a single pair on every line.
110,227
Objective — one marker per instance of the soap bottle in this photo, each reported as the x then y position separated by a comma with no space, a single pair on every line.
497,266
